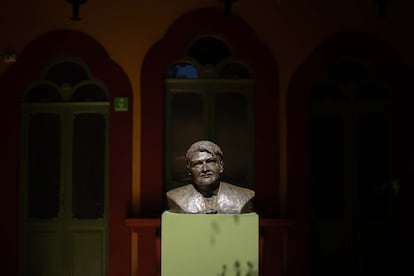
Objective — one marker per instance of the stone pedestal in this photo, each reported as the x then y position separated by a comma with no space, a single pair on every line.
209,245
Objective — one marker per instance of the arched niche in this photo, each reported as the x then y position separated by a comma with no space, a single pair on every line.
246,47
15,80
387,69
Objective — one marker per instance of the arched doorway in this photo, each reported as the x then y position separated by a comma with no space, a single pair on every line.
25,74
345,108
248,49
257,57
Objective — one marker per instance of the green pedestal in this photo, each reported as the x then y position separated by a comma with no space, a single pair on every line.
209,245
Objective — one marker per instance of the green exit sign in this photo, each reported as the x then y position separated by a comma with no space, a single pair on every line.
121,104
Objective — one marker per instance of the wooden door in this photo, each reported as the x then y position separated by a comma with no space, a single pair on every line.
64,189
64,174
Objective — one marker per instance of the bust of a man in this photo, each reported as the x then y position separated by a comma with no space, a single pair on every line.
208,194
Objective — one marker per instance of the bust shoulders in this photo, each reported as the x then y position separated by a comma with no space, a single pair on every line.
185,199
235,199
230,199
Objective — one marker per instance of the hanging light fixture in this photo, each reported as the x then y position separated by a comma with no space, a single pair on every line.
75,8
227,6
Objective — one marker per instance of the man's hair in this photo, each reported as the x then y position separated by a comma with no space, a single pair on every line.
206,146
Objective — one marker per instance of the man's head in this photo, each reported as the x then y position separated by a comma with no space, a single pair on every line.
205,164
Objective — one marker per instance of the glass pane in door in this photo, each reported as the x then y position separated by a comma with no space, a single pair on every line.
186,128
88,195
232,133
372,141
327,166
43,170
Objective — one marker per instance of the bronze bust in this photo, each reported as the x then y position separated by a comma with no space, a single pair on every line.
208,194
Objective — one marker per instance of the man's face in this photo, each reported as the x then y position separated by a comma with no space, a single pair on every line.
205,169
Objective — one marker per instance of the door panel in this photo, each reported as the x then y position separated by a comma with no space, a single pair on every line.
87,251
45,254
